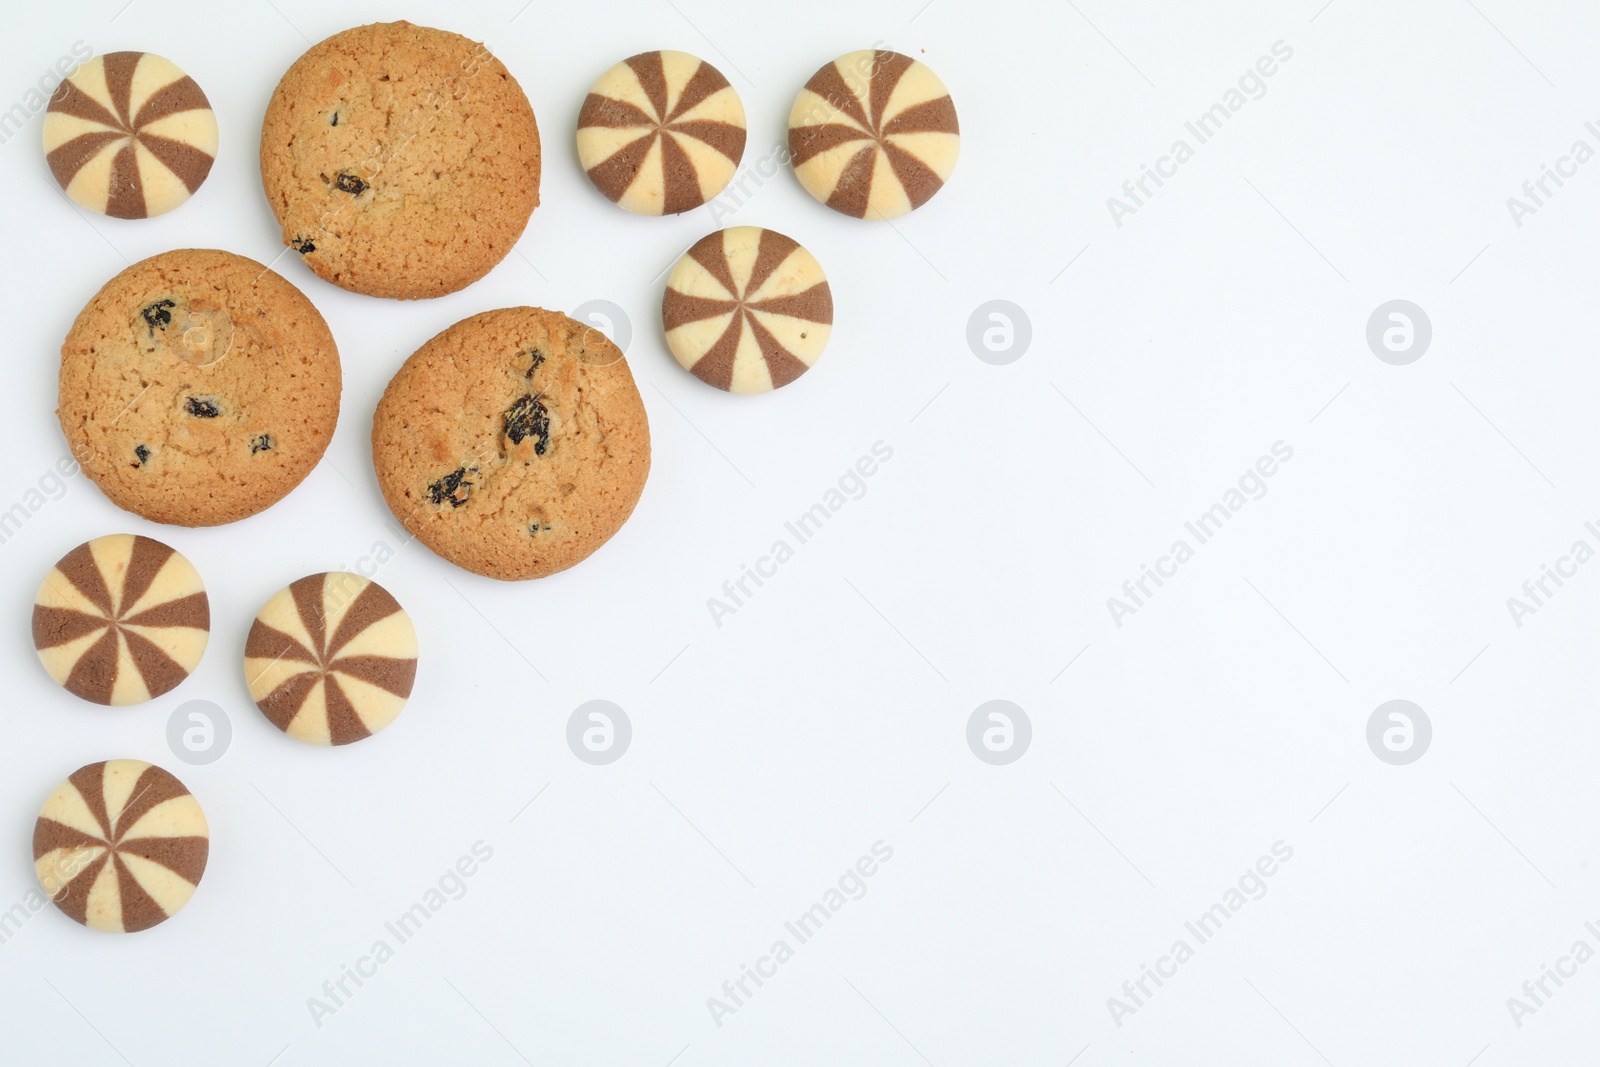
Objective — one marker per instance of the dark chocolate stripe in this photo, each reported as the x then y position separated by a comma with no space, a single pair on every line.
616,173
389,673
307,593
185,160
344,724
887,70
266,642
609,113
715,367
813,305
680,308
72,100
79,568
193,611
181,95
705,82
119,67
49,835
680,189
807,142
94,676
930,116
57,626
183,856
144,563
782,364
651,72
772,248
155,786
139,909
90,782
73,898
725,137
125,197
711,253
917,177
854,187
282,704
373,604
160,672
829,84
72,156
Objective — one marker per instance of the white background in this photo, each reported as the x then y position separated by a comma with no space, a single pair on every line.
830,712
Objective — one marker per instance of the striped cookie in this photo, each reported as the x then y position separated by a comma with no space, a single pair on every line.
121,620
120,846
747,310
874,134
661,132
331,659
130,135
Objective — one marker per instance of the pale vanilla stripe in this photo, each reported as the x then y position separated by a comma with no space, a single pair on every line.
375,707
104,911
91,186
789,331
117,780
888,198
59,660
185,644
176,579
647,194
603,142
339,592
129,688
67,807
740,246
59,128
57,868
678,67
282,614
830,165
196,127
750,373
798,272
111,555
266,675
178,816
152,74
721,106
392,636
937,150
918,85
91,78
170,890
58,592
624,85
310,724
692,279
700,335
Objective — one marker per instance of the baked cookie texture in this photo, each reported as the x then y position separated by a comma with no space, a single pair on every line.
514,444
198,387
400,161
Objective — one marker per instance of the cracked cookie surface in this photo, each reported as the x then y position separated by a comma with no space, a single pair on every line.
400,161
514,444
198,387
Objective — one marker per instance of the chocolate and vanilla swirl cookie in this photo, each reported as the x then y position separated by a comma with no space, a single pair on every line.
661,132
120,846
121,620
331,658
130,135
874,134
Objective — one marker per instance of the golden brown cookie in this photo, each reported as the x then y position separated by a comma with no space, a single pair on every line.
514,443
198,387
401,161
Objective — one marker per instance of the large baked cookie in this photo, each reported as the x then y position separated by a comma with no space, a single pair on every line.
198,387
401,161
514,443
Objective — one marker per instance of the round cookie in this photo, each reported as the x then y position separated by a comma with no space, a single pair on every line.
121,620
120,846
401,161
331,658
198,387
747,310
513,444
130,135
874,134
661,132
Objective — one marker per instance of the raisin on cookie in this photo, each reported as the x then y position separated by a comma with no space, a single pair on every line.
514,444
401,161
198,387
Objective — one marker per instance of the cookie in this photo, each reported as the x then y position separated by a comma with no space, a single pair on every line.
120,846
331,659
513,444
198,387
874,134
130,135
747,310
661,132
121,620
400,161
